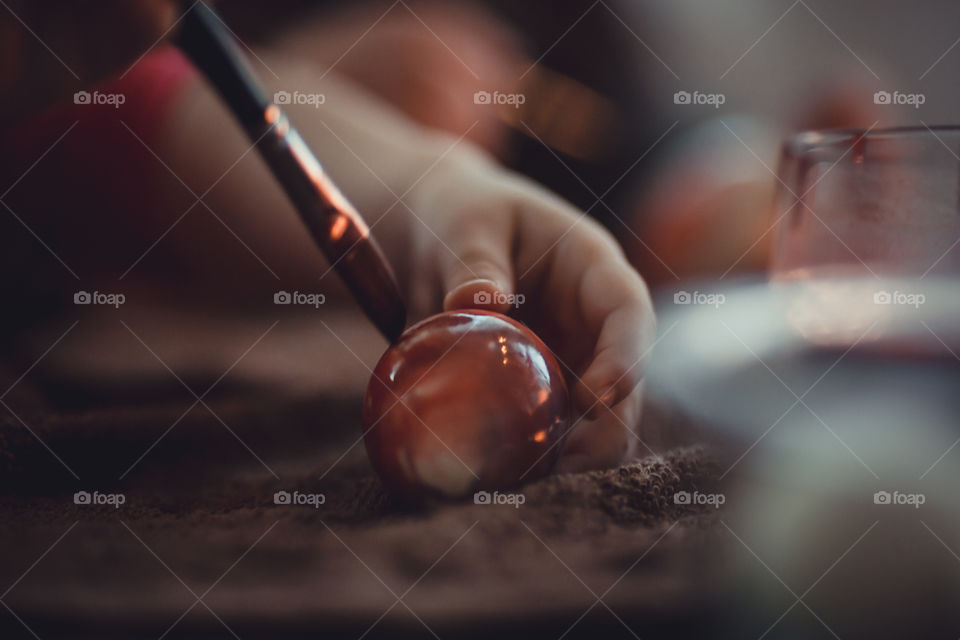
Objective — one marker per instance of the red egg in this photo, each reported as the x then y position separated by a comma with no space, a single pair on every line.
464,401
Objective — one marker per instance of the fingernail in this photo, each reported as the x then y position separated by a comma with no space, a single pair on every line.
486,286
609,396
478,282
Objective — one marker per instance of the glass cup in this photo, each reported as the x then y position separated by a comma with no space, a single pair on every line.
875,203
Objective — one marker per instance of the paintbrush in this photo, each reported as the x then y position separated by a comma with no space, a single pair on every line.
339,231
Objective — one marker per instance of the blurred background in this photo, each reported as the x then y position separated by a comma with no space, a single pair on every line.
600,117
685,186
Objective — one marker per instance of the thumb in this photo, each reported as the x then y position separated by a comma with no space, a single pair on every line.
477,270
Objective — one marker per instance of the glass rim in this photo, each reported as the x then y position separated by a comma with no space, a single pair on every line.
812,140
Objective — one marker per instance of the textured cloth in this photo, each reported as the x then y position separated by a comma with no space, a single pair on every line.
201,501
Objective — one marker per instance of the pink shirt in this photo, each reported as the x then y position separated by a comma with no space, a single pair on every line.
95,183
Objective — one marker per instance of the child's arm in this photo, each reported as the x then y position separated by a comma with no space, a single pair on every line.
454,224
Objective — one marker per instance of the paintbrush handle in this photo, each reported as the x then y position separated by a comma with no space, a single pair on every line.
335,225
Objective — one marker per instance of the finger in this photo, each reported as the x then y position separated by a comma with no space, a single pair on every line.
607,441
588,274
617,308
476,265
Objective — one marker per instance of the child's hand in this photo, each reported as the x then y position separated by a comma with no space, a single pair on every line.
476,228
490,239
